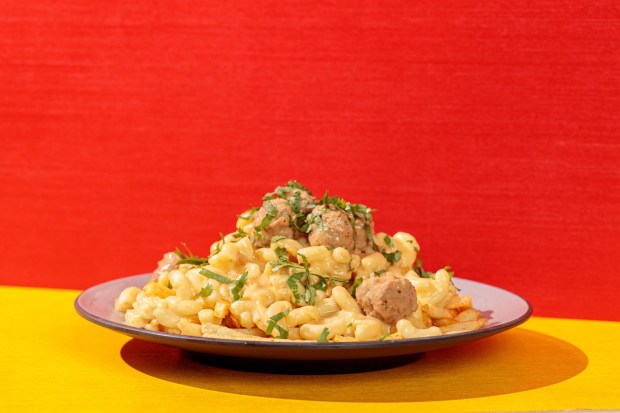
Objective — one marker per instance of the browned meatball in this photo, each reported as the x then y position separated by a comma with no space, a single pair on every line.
362,243
387,298
302,203
276,219
331,228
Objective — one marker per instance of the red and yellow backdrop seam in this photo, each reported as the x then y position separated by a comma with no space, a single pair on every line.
490,131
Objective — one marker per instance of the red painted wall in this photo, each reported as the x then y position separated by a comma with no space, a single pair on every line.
490,131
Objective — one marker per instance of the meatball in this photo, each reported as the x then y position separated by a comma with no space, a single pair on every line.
387,298
362,243
167,263
306,201
331,228
277,217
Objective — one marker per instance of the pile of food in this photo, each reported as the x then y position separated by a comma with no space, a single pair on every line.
301,268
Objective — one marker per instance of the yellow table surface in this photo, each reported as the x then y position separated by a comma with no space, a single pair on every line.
53,360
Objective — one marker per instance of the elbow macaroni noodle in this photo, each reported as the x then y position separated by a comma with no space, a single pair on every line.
176,302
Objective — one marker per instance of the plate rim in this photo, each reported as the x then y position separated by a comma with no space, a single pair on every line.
298,345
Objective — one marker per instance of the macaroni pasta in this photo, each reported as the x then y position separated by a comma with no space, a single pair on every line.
300,268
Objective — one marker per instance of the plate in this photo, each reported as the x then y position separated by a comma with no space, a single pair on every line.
504,309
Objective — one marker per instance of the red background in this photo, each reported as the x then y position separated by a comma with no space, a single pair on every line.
489,130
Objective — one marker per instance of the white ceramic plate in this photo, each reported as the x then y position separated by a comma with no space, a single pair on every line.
504,309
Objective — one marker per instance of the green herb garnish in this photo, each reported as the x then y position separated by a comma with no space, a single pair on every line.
272,212
292,283
239,234
284,191
182,254
273,323
355,285
310,294
239,285
323,337
281,253
315,217
417,267
206,291
219,246
296,204
451,274
194,261
392,257
302,276
188,257
297,185
216,277
248,214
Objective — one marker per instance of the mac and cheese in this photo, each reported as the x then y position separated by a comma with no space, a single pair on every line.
301,268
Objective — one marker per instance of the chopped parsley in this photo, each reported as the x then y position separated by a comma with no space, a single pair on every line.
292,193
353,211
273,323
323,337
302,277
169,285
248,214
310,294
285,191
334,200
182,254
239,234
206,291
219,246
194,261
277,238
417,267
297,185
451,274
355,285
392,257
379,273
315,217
272,212
293,284
296,204
239,284
283,260
216,277
188,258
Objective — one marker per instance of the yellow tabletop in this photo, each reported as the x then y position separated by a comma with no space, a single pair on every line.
53,360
